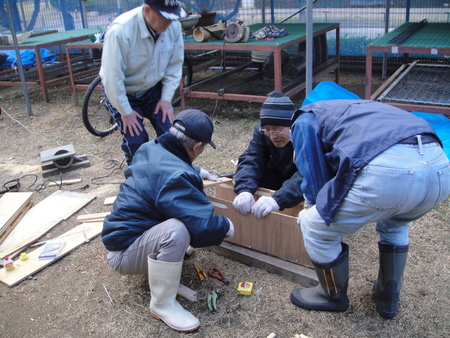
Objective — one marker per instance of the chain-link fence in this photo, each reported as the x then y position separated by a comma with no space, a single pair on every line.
361,21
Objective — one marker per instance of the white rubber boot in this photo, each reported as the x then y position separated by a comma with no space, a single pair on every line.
164,279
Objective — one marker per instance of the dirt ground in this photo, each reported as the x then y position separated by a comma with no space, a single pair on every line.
80,296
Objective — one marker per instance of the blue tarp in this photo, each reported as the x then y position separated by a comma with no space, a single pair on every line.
441,125
327,90
28,57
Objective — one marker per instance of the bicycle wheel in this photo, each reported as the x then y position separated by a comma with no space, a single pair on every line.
187,80
96,116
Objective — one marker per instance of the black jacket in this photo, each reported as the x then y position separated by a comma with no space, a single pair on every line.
262,158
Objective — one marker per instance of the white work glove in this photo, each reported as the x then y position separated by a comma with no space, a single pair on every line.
264,205
230,232
206,175
243,202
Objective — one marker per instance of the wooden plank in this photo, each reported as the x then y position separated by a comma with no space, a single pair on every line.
86,218
291,271
13,224
95,219
207,183
65,182
23,269
387,83
43,217
11,205
276,234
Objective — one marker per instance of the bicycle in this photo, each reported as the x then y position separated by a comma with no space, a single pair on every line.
96,117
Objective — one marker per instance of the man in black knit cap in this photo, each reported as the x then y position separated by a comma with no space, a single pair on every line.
268,162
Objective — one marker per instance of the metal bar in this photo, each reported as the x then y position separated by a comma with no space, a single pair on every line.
297,12
19,60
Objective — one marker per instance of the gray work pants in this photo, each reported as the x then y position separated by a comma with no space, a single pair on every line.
167,242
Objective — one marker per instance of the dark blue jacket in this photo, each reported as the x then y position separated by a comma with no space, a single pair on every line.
335,139
161,183
254,162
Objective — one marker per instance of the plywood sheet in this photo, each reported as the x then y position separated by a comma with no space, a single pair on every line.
23,269
276,234
11,205
43,217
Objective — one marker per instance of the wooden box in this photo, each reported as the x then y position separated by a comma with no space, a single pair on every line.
277,234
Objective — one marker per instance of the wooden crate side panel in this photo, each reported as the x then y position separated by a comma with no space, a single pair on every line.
225,191
276,234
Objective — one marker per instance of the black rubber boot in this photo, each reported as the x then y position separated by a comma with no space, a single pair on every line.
386,291
331,293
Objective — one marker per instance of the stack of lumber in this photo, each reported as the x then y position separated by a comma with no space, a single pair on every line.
43,217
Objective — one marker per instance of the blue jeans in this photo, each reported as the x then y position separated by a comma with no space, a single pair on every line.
145,106
395,188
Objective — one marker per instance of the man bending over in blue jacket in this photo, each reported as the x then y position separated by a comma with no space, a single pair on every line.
160,210
363,162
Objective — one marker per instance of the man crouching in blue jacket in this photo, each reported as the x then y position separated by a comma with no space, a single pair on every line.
160,210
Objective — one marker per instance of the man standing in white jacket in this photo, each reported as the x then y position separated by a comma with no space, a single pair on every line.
142,60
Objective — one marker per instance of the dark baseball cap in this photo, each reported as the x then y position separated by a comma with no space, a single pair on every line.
169,9
195,124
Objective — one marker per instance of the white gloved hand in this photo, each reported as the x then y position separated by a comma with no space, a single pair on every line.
244,202
206,175
264,205
230,232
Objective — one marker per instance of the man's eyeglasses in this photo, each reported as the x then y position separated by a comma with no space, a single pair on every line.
272,132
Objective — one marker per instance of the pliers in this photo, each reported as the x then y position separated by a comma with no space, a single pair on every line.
212,300
200,273
220,277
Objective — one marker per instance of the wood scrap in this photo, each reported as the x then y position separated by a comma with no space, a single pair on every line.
65,182
98,217
23,269
43,217
207,183
110,200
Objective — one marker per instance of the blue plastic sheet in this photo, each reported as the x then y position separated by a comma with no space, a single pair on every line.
441,125
28,57
328,90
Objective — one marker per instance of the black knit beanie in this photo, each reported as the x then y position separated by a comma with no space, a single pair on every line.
277,110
